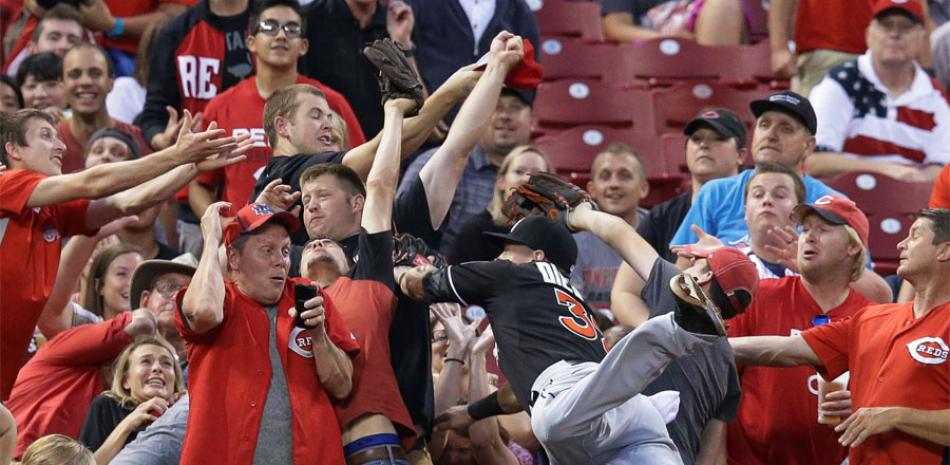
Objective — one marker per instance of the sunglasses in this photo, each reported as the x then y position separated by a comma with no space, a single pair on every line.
271,27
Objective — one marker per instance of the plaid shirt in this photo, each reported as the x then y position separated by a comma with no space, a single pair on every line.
473,194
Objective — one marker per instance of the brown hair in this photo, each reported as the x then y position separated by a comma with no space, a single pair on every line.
498,198
61,11
13,129
283,103
351,181
57,449
92,298
940,223
763,168
118,392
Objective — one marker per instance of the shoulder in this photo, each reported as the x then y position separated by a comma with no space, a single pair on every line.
245,86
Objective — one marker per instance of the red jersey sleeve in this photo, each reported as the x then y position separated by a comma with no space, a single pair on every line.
199,338
940,198
830,342
89,344
337,330
16,187
70,218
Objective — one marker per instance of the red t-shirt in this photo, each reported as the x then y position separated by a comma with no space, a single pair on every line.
74,158
229,373
836,25
895,360
54,389
777,419
30,244
940,198
129,8
240,110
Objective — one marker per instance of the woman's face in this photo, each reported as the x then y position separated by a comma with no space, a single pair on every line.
115,284
151,373
519,171
107,150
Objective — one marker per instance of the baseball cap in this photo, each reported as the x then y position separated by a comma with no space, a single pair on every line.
836,210
725,123
148,270
790,103
255,215
910,8
526,74
542,233
733,272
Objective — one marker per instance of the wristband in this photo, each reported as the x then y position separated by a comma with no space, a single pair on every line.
450,359
484,408
118,29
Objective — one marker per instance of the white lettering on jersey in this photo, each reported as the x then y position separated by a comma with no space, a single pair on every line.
196,74
258,137
929,350
551,275
301,343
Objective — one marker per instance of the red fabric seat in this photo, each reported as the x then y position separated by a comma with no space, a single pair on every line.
675,106
566,57
564,18
575,149
572,102
875,193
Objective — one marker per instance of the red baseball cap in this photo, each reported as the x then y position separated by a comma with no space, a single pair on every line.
526,74
911,8
734,272
836,210
255,215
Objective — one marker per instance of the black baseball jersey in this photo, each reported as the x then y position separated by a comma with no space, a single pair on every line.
537,317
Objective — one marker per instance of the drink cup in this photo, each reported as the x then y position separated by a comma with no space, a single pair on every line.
826,387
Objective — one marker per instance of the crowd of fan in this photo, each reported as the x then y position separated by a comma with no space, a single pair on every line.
173,167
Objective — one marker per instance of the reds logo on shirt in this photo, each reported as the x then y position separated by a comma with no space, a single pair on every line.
50,233
929,350
301,343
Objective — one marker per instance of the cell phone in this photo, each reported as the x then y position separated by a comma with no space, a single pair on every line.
302,293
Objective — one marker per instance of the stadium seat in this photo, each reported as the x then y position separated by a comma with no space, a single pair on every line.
887,230
876,193
565,18
677,105
572,102
567,57
672,59
574,149
674,153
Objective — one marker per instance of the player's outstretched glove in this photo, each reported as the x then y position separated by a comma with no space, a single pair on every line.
544,194
397,79
409,250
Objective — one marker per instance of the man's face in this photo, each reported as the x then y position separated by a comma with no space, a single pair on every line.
322,252
520,254
509,126
160,299
107,150
458,451
329,210
894,38
44,151
86,80
918,252
770,201
824,249
710,155
616,183
261,268
781,139
43,94
274,46
8,101
311,128
58,36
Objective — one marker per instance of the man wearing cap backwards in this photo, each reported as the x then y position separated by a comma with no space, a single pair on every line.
882,112
586,407
897,355
777,421
260,386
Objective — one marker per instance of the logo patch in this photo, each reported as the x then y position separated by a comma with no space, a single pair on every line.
711,114
50,233
784,98
929,350
301,343
824,200
262,210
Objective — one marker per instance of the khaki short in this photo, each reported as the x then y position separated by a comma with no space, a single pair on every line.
814,65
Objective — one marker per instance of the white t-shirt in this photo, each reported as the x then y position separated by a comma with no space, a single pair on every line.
126,100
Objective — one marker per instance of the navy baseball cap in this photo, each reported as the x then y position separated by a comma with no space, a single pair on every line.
542,233
723,121
790,103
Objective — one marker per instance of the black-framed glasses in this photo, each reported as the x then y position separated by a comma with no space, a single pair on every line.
271,27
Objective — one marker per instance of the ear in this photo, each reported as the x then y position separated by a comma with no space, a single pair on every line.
705,278
13,152
143,300
304,46
743,153
943,252
280,125
538,255
644,188
357,203
250,42
234,259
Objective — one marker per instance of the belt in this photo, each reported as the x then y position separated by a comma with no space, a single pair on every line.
376,453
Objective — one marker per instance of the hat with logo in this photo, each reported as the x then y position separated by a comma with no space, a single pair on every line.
736,278
542,233
790,103
147,271
910,8
724,122
255,215
836,210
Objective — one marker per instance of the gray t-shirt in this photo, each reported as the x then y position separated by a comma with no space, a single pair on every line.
274,440
706,380
161,442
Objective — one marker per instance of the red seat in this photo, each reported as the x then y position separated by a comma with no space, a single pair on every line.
876,193
574,149
573,102
565,57
667,60
887,230
564,18
674,152
677,105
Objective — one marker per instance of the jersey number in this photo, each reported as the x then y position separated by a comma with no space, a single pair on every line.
579,322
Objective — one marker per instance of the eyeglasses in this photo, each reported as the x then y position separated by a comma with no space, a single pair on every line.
168,290
271,27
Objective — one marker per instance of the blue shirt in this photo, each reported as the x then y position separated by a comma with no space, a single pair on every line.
719,208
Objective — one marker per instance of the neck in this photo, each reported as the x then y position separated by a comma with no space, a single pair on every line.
83,125
828,290
897,77
284,148
324,274
363,12
697,184
931,290
271,79
227,7
143,238
631,217
494,157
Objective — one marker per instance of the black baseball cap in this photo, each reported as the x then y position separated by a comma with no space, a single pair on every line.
526,96
724,122
790,103
542,233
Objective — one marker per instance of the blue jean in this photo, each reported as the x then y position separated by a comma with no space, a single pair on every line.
387,462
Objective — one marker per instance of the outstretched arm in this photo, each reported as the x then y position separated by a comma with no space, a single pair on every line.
776,351
616,233
203,302
383,177
930,425
625,300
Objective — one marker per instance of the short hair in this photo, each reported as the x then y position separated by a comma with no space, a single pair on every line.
62,11
7,80
118,391
57,449
45,66
861,261
13,129
268,4
940,223
110,67
91,298
763,168
620,148
351,181
283,103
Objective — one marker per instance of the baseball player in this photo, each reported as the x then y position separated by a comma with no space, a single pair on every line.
585,404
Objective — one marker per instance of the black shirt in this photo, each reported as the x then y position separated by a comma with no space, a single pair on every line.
103,416
472,245
661,224
411,213
537,317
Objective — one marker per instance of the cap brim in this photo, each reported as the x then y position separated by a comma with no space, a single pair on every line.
899,10
148,270
802,210
698,123
504,237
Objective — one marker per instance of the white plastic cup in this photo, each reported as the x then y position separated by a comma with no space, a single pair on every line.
825,387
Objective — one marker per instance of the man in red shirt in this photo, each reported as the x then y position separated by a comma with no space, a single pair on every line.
38,207
276,40
897,354
777,419
260,384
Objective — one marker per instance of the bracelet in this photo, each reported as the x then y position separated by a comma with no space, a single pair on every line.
118,29
452,359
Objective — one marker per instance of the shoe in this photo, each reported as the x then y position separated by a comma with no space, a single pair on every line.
695,311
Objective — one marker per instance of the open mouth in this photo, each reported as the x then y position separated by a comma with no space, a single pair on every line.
156,382
86,97
325,139
808,254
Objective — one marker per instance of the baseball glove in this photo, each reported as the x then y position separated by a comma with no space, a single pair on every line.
397,79
409,250
544,194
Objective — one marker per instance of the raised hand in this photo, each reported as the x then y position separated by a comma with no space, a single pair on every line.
145,413
226,157
787,249
450,315
278,196
212,222
399,24
483,343
403,105
507,49
193,147
707,243
461,82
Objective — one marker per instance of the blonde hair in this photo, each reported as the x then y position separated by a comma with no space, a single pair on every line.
57,449
339,131
498,199
862,259
118,392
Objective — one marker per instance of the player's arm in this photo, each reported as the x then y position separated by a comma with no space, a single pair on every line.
775,351
383,177
929,425
487,445
616,233
625,300
202,306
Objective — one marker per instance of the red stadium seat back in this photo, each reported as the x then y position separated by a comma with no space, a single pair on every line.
876,193
565,18
674,153
887,230
572,102
664,189
565,57
673,59
575,149
676,106
748,62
